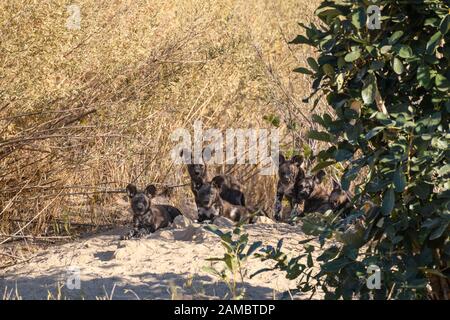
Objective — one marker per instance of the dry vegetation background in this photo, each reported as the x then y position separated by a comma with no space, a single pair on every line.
87,111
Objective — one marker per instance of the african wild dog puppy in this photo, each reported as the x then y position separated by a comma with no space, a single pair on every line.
211,203
314,196
231,190
289,173
197,171
148,218
338,199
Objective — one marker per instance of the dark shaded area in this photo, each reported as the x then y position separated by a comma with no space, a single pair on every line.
157,286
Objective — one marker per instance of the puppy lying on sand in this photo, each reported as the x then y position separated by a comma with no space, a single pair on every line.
148,218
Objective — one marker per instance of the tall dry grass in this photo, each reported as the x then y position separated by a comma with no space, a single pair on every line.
84,112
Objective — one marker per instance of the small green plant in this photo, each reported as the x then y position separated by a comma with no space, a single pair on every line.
237,251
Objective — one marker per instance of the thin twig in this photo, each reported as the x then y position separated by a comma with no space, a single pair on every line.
27,224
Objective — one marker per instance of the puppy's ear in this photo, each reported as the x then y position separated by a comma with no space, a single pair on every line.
301,174
298,160
131,190
217,181
318,177
281,159
150,190
336,186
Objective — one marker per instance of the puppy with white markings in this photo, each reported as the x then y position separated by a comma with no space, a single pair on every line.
310,191
289,173
211,203
148,218
231,189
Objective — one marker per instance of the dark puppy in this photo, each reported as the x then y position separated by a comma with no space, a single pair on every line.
211,203
231,190
312,194
148,218
289,173
197,171
338,198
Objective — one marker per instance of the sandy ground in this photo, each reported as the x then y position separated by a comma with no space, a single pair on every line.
166,265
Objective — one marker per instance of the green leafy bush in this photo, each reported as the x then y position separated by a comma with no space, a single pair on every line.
389,89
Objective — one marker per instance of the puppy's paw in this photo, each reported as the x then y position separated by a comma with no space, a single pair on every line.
277,216
127,236
141,233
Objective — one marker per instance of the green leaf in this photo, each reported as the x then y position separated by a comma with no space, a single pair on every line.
397,65
328,13
399,180
212,271
359,18
372,133
424,76
310,262
300,40
336,265
385,49
369,91
395,37
431,22
431,120
340,81
433,42
304,71
214,229
230,262
319,135
445,24
305,241
439,143
444,170
352,56
422,190
328,70
318,119
388,202
280,244
273,120
313,64
377,65
405,52
322,165
434,272
342,155
442,83
437,233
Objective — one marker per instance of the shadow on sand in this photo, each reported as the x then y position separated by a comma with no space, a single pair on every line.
156,286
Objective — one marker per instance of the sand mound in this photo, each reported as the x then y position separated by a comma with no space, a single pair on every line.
167,264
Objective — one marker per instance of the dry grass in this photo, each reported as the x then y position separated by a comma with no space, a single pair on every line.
87,111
